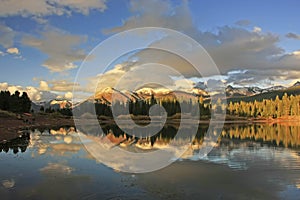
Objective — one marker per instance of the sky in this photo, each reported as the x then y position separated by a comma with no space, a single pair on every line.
43,43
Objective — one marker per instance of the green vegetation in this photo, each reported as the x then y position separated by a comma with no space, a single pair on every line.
267,108
278,135
142,107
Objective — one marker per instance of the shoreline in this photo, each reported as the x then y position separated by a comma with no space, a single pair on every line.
11,126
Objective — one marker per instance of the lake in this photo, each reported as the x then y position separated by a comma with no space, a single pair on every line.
250,161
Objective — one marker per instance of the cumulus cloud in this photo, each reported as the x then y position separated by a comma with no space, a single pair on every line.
62,49
44,86
59,86
12,50
35,94
68,95
257,29
7,36
3,86
49,7
293,36
230,47
62,85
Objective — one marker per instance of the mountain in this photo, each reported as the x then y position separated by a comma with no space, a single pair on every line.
250,91
54,104
105,95
269,93
233,94
296,84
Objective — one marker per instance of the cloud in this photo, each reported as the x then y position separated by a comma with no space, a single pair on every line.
49,7
62,85
6,36
68,95
8,183
3,86
257,29
44,86
12,50
293,36
263,78
83,6
230,47
62,49
243,22
35,94
156,13
57,168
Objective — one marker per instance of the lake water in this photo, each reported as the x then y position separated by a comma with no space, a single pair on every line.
250,162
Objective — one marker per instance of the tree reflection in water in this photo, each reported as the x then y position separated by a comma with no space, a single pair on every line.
16,145
283,135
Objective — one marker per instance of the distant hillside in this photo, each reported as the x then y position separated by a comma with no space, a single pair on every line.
54,104
105,95
294,90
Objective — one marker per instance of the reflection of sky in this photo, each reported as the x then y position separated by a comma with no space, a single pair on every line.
66,170
244,157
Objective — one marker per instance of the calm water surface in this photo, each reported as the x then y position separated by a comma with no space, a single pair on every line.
249,162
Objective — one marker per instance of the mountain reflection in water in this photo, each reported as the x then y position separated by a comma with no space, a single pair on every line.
275,135
261,160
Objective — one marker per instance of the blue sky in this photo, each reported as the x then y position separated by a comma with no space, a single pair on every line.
43,44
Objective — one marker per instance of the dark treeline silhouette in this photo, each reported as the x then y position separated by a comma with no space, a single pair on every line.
167,132
64,111
142,107
19,144
16,102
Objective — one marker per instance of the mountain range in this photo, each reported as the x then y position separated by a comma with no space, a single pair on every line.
233,94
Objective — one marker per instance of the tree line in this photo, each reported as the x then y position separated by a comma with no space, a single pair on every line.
16,102
142,107
268,108
279,135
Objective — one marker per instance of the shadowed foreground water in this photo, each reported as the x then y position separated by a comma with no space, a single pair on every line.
247,163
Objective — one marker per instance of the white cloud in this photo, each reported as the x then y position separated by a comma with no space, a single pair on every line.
296,53
62,85
8,183
184,84
62,49
68,95
58,86
49,7
257,29
3,86
12,50
44,86
35,94
57,168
